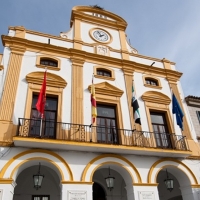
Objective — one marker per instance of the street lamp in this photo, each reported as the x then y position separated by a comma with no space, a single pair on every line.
37,179
169,182
110,181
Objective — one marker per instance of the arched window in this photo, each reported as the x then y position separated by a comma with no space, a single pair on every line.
49,62
103,72
151,81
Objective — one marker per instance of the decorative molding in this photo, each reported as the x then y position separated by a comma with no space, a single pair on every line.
1,67
102,50
156,97
6,180
106,88
78,13
86,170
127,65
158,162
52,79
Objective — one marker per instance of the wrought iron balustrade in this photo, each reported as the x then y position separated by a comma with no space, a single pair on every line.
99,134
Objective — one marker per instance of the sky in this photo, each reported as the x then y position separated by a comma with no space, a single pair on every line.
157,28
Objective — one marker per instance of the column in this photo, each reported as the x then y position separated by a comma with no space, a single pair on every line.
9,92
190,193
7,187
76,190
77,91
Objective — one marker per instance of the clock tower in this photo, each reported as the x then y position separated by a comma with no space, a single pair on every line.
96,30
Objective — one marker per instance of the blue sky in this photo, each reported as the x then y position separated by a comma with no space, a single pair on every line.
157,28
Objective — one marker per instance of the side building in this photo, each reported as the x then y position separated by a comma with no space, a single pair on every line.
66,155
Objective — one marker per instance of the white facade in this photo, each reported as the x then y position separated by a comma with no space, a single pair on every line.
75,157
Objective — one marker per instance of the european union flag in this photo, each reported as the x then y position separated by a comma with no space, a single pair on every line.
176,109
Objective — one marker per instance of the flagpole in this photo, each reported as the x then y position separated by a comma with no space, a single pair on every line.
40,105
173,114
93,107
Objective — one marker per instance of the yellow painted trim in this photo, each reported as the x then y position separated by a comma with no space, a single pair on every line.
7,165
90,57
110,162
156,97
37,158
114,156
98,145
77,182
6,181
52,79
106,89
145,184
98,67
78,13
169,159
195,186
101,29
38,58
159,86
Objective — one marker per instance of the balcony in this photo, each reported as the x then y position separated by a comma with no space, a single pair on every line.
67,136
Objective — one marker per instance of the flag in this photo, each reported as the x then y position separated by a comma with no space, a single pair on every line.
135,106
93,103
42,97
176,109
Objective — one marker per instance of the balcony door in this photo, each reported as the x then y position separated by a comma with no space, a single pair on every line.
106,124
50,118
160,129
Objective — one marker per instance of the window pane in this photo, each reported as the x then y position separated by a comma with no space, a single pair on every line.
157,119
106,112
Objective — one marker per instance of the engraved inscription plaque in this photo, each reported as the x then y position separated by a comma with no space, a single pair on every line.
77,195
146,195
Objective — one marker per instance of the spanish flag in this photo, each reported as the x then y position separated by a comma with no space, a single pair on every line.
93,103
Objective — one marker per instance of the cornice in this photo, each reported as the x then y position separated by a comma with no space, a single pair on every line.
42,34
52,79
78,13
105,88
127,65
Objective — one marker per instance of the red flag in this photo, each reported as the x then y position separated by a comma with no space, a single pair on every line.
93,102
42,97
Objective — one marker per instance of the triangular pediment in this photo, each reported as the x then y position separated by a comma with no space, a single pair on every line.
52,79
106,88
156,97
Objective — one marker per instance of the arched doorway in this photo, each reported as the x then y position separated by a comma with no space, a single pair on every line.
119,190
25,188
98,192
165,194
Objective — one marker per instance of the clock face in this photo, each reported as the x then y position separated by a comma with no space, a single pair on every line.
101,36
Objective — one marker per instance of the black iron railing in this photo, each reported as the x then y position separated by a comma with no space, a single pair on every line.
99,134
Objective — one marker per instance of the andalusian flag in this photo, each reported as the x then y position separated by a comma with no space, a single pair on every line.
135,106
93,103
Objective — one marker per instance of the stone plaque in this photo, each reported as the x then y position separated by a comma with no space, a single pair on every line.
146,195
77,195
1,194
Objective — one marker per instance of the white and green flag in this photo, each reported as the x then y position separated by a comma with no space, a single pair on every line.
135,106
